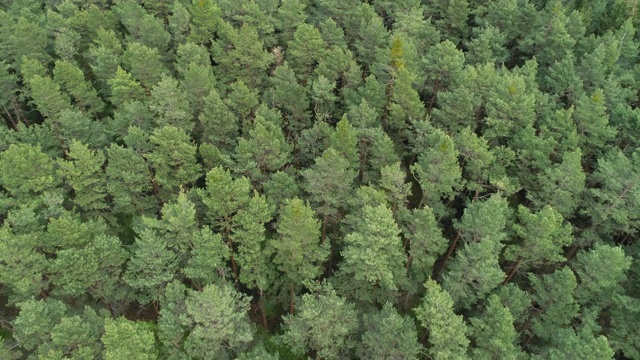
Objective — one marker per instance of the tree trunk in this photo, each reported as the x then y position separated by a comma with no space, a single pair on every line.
424,336
512,272
450,251
324,229
265,323
436,88
293,297
233,263
385,117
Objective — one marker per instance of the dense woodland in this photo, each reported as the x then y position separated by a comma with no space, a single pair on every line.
328,179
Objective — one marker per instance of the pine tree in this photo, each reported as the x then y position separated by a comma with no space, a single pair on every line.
290,97
170,105
437,169
151,267
423,237
264,152
331,335
123,338
614,200
254,257
124,88
144,63
373,256
205,21
305,49
245,60
554,298
592,123
219,322
48,97
290,15
389,335
128,181
72,79
173,159
493,332
447,331
329,182
543,235
219,126
600,272
84,175
298,253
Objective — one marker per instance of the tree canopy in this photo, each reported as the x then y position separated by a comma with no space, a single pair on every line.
323,179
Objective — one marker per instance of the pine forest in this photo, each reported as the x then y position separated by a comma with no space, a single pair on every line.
319,179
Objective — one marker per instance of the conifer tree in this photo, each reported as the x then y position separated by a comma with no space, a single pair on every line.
124,338
373,256
306,332
173,159
493,332
84,175
329,182
447,331
389,335
170,105
543,235
299,253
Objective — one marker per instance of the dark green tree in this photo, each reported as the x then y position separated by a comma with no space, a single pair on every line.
330,336
373,256
299,254
447,331
173,159
124,338
542,237
84,174
493,332
389,335
242,56
170,105
328,183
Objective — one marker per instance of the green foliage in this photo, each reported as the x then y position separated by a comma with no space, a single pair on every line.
128,181
170,105
447,331
250,236
600,273
299,253
614,201
553,295
305,49
224,195
84,174
242,56
389,335
219,322
543,236
151,267
219,124
144,63
123,338
493,332
324,323
264,152
173,158
162,160
373,255
437,169
27,171
48,97
328,182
